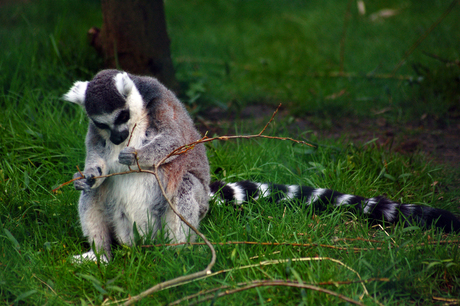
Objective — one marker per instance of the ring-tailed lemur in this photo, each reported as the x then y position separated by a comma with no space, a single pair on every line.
134,117
125,108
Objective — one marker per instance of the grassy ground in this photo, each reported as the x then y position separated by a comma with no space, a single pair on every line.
254,54
269,51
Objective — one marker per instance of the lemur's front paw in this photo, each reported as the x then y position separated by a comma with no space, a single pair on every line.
89,181
127,156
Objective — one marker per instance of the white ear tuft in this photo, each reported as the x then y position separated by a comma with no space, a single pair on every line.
76,94
123,83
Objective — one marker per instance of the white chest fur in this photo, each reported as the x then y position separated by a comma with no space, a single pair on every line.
133,197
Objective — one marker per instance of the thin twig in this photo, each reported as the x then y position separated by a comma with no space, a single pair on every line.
424,35
79,171
207,271
129,140
72,180
449,301
46,284
442,60
181,279
280,261
340,248
185,148
349,239
66,183
130,136
269,244
344,35
333,283
276,283
276,262
271,119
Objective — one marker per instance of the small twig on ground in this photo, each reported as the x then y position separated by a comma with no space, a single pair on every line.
340,248
270,244
388,235
178,151
275,283
344,35
424,35
276,262
46,284
350,239
448,301
183,150
443,60
332,283
207,271
181,279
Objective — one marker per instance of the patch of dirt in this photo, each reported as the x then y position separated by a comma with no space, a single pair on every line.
438,138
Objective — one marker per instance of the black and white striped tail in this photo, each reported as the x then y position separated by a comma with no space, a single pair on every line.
377,208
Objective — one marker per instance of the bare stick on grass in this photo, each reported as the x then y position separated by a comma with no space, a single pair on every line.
275,283
344,35
424,35
183,150
332,283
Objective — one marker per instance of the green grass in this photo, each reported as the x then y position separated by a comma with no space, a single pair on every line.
267,52
44,50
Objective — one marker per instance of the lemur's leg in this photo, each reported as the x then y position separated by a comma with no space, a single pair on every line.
95,224
191,201
145,218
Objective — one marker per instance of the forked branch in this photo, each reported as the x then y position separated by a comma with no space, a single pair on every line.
178,151
257,284
185,148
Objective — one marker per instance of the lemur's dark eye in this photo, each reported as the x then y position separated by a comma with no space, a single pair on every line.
102,126
123,117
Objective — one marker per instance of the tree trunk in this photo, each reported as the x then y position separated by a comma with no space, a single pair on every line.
134,38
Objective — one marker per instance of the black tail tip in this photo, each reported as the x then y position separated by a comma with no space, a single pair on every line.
446,221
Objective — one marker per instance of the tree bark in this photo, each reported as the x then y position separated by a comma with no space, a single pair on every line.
134,38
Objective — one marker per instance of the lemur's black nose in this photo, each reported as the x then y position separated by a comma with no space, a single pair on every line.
118,137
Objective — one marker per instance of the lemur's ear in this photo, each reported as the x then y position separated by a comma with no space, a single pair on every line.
123,83
76,94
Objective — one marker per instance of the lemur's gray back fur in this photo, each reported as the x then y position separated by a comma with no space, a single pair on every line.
121,108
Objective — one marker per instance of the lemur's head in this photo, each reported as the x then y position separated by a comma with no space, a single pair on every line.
114,101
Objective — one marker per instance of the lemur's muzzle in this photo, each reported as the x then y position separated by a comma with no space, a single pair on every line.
118,137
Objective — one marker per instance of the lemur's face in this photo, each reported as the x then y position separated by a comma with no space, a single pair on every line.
116,123
111,101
